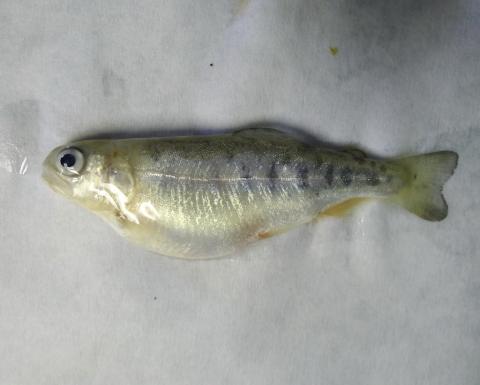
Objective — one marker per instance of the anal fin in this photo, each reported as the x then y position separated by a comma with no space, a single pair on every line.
271,233
265,234
341,209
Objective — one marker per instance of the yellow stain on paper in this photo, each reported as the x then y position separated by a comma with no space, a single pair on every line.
333,50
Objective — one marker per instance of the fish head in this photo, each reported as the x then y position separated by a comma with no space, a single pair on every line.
95,174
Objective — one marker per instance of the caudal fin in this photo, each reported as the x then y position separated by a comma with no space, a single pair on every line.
425,176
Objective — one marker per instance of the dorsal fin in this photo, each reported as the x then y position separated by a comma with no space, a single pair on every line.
259,132
356,153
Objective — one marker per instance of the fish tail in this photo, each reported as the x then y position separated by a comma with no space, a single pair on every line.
425,176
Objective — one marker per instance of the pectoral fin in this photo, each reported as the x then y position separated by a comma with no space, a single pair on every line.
272,232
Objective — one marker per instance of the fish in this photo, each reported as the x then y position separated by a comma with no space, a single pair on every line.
208,196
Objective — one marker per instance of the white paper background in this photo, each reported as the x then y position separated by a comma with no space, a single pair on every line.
380,297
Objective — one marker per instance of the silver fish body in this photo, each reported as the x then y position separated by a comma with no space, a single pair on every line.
207,196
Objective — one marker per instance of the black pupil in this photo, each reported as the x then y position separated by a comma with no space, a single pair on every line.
67,160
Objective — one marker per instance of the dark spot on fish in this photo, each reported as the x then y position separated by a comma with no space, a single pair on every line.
346,176
154,298
302,174
372,178
383,168
155,155
211,64
272,176
272,173
286,159
329,174
414,176
245,172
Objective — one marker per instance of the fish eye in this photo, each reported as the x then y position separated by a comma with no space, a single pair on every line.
70,161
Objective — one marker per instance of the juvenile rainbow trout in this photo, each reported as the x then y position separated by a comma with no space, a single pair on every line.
207,196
